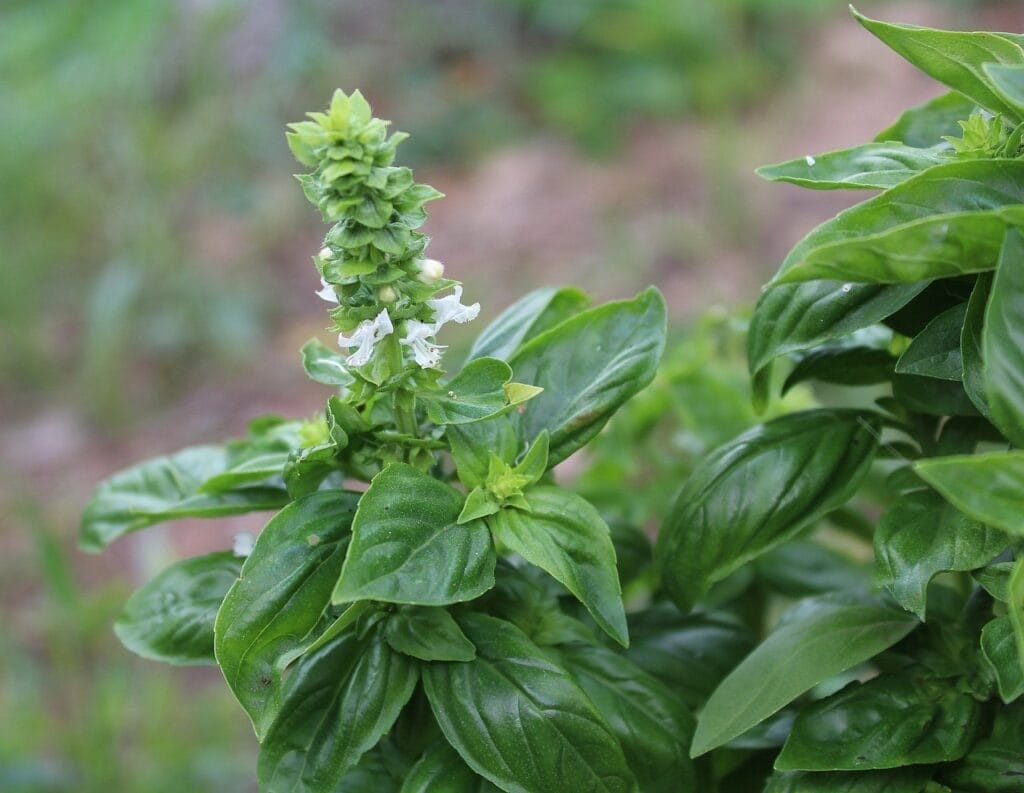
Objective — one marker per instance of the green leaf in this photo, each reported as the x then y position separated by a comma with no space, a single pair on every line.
429,634
1002,340
250,470
563,534
800,568
167,488
652,724
520,720
936,246
473,444
971,343
690,653
337,705
951,57
170,618
589,366
956,190
842,365
994,765
931,396
478,392
926,124
1015,605
935,351
794,317
324,365
920,536
526,319
995,579
897,780
986,487
285,586
819,638
871,165
441,770
407,547
1000,651
1007,82
891,721
759,490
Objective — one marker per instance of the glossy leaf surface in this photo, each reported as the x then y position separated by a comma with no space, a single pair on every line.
891,721
759,490
1003,340
563,534
520,720
284,588
407,548
167,488
337,704
528,317
871,165
170,618
588,367
817,639
999,647
429,634
986,487
922,535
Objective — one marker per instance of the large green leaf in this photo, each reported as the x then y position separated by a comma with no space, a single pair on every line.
819,638
588,366
759,490
280,598
167,488
527,318
971,344
407,548
951,57
995,764
843,365
441,770
1003,340
1015,605
520,720
563,534
337,704
872,165
960,188
999,648
800,568
690,653
927,124
171,617
936,246
652,724
891,721
922,535
1007,82
935,351
987,487
897,780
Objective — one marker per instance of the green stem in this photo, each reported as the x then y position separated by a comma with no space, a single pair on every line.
405,418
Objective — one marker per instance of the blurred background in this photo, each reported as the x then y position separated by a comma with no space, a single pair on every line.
155,279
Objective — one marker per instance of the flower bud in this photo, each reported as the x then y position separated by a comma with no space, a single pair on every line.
431,271
387,294
326,254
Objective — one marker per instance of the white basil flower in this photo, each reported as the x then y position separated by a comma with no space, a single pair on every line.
426,353
327,293
450,309
365,336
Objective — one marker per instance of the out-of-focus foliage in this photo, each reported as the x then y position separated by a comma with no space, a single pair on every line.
131,127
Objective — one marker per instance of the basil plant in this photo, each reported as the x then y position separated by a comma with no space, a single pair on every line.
835,600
